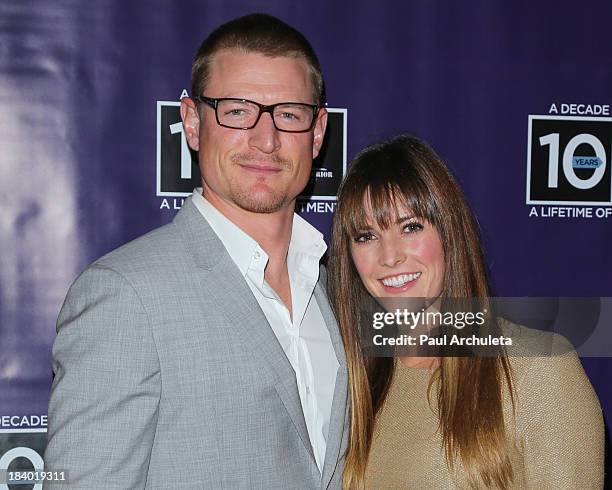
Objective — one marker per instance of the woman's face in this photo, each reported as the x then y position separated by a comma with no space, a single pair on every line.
406,260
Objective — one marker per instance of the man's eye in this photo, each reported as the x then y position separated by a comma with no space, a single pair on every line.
289,116
235,112
413,227
364,237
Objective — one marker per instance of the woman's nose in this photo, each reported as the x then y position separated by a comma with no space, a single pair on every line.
391,253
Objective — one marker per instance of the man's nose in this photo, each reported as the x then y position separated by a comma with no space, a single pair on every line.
264,136
391,253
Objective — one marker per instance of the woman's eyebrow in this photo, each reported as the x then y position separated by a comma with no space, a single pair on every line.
403,218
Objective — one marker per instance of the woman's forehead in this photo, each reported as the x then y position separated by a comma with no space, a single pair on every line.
389,207
382,214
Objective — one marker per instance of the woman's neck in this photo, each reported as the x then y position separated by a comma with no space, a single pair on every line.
420,362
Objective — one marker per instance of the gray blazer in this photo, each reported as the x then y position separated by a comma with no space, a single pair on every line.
168,375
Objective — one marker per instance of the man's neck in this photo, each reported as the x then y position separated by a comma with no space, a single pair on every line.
272,231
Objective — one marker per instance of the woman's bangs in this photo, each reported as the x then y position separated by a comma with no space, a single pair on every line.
383,205
387,203
352,213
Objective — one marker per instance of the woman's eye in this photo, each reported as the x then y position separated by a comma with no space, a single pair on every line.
364,237
413,227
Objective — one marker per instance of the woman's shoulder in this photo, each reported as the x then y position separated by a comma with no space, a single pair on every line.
548,377
532,343
557,413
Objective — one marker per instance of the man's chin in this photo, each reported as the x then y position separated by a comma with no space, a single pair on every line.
262,202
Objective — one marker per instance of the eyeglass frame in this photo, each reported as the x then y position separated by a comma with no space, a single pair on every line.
214,102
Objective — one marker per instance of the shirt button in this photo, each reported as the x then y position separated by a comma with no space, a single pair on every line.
256,255
307,390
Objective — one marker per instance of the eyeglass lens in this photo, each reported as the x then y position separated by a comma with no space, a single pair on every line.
243,114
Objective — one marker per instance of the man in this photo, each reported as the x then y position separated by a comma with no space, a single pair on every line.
205,354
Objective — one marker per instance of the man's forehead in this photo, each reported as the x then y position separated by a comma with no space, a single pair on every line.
234,69
239,59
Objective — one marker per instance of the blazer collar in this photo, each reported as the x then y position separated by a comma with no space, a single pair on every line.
203,243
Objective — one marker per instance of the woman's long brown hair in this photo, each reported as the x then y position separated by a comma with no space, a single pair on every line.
407,171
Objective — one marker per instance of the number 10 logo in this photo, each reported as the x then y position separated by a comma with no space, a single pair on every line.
568,160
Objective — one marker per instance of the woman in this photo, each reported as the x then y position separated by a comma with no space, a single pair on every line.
402,229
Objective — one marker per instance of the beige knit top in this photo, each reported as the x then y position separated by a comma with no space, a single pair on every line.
558,432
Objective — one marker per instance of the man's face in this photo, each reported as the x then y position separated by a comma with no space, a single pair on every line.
260,170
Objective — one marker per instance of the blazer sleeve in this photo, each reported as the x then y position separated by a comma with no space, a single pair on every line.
562,424
104,399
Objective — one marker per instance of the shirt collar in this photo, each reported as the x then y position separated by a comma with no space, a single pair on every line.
306,247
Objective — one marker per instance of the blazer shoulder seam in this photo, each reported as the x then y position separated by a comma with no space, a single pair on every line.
124,278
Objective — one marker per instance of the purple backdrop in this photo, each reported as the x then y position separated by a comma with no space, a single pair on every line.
79,86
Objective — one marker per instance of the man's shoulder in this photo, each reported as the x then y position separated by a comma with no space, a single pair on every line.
169,247
153,249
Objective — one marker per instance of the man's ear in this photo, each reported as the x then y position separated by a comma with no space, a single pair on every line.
191,122
319,132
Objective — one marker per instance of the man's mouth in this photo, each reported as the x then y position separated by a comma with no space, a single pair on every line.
266,165
262,169
400,280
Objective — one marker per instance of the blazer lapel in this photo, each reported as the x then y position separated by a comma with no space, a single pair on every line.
338,412
245,319
330,322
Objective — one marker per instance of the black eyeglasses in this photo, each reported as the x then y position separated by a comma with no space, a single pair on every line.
291,117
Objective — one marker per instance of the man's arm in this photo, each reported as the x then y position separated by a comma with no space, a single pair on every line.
105,396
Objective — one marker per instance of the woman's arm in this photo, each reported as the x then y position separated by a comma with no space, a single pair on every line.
561,423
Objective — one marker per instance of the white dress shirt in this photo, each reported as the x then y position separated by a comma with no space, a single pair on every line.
304,338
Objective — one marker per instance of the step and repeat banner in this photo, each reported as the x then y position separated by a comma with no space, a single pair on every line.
514,96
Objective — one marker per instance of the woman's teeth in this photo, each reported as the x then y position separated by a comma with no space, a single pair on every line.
400,280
